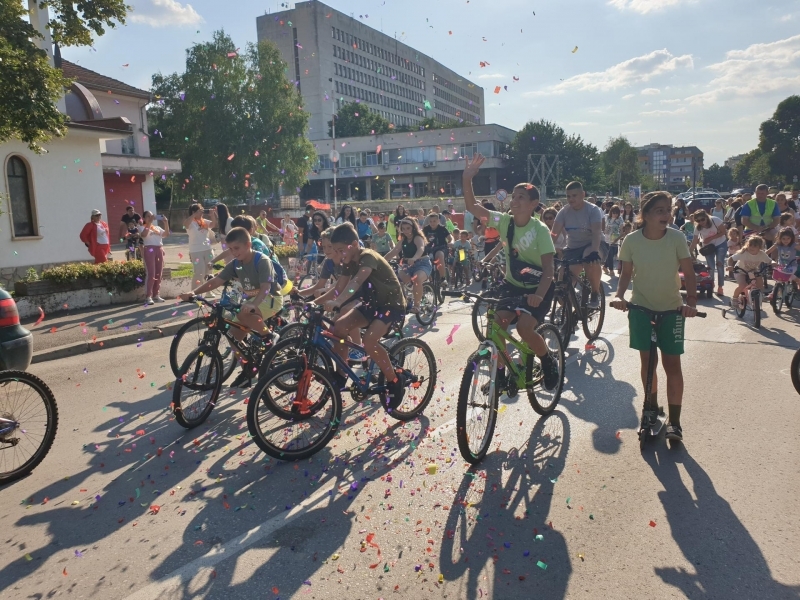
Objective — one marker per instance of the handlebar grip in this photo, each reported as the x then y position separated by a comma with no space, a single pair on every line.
702,315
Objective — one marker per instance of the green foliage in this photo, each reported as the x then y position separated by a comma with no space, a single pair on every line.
29,86
285,251
619,165
117,276
354,119
31,275
780,140
741,172
578,159
234,120
719,178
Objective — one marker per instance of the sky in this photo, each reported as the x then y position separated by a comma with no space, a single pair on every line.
700,73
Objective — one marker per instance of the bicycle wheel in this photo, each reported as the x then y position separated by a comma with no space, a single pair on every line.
197,386
479,320
428,306
189,337
741,305
307,432
756,309
476,412
290,350
307,281
29,405
560,315
292,330
415,358
542,400
593,317
796,371
777,298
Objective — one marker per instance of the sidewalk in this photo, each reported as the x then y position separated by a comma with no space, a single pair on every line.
86,330
176,250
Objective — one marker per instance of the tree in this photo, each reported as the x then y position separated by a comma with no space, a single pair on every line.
780,139
577,159
741,172
29,85
619,165
234,120
719,178
355,119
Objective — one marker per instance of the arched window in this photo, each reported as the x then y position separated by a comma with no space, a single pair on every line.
20,198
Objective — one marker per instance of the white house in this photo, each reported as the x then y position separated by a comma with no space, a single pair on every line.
103,162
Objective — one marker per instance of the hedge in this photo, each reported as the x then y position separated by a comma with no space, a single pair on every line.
117,276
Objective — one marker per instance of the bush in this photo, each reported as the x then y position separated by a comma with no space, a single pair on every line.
117,276
285,252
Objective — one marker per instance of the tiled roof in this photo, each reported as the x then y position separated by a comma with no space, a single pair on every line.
96,81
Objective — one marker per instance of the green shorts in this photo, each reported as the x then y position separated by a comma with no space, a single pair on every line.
669,333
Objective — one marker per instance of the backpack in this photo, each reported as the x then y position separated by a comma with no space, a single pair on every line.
280,273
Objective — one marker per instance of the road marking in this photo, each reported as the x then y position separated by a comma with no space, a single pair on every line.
173,582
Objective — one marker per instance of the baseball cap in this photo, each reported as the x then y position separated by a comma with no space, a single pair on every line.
96,213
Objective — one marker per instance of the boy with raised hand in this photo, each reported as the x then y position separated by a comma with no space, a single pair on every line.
382,304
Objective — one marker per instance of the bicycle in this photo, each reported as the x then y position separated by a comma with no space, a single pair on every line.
436,279
295,408
462,269
426,311
28,423
480,389
750,297
783,293
568,309
133,247
202,373
795,369
652,420
308,269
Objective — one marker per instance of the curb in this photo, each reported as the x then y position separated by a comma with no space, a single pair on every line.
113,341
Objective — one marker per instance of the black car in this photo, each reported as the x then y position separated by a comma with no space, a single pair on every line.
16,342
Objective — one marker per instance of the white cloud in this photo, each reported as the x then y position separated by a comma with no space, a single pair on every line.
760,69
167,13
645,6
664,113
786,18
651,92
671,101
629,72
628,96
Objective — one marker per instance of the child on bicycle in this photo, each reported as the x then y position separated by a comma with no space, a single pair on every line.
748,260
382,305
653,255
529,265
462,251
330,268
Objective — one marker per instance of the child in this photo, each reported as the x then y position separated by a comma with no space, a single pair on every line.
652,256
688,230
461,254
382,241
787,220
734,245
382,304
749,260
254,272
614,225
784,252
330,268
477,240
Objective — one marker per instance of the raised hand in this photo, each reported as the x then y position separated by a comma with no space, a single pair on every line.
472,167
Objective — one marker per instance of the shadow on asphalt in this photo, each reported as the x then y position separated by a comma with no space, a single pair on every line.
499,510
595,396
727,560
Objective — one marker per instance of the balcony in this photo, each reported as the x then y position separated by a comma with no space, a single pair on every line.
140,164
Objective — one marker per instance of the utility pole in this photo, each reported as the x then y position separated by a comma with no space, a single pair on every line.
334,160
694,177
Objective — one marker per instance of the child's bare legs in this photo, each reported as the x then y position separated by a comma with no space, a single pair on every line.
741,283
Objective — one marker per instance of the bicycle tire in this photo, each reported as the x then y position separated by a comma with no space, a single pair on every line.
741,305
560,315
290,430
7,410
205,383
479,321
484,412
777,298
289,350
307,281
413,403
796,371
555,346
592,328
176,358
757,309
426,312
291,330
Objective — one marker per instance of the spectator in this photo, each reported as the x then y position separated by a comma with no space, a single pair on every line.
264,226
365,226
628,215
153,236
761,216
97,237
200,252
224,220
304,229
289,230
127,226
346,214
382,241
679,213
719,209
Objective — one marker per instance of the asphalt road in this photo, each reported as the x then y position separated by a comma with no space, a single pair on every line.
564,507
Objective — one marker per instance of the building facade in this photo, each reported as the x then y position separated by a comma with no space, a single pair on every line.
734,160
673,167
394,166
334,59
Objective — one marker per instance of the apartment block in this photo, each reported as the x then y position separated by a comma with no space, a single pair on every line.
672,166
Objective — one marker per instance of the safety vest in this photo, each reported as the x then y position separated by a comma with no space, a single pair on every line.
756,218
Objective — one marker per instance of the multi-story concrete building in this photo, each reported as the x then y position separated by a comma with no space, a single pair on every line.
672,166
409,165
335,59
734,160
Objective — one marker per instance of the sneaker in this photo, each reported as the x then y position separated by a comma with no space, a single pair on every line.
594,300
395,391
241,381
159,299
720,291
148,300
550,371
674,432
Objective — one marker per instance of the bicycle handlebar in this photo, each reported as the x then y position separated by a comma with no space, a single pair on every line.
487,299
656,313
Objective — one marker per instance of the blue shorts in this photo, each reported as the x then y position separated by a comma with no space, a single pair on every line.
421,264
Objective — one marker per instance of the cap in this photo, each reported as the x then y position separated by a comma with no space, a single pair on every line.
96,213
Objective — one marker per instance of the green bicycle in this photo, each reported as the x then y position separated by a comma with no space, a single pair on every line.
480,391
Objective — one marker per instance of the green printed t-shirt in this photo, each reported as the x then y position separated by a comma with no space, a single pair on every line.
530,242
656,283
382,284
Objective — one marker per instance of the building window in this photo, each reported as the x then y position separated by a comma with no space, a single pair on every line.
21,202
128,146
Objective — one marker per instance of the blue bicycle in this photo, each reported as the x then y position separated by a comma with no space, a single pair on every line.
296,407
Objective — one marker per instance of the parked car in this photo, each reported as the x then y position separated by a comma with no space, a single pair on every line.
702,200
740,191
16,342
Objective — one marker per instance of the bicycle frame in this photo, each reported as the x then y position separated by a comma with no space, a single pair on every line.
497,336
322,339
